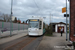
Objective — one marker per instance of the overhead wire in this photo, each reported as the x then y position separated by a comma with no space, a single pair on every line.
37,5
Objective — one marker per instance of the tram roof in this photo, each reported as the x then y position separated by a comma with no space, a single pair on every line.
36,18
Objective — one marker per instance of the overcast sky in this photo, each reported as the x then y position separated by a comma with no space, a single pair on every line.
24,9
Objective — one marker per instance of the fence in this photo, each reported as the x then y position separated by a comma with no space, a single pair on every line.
16,27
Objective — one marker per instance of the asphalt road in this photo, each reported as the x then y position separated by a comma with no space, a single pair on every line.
24,43
15,26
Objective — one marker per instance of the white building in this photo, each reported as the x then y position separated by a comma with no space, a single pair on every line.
57,26
13,18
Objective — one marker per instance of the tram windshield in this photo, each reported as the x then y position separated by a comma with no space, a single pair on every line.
33,24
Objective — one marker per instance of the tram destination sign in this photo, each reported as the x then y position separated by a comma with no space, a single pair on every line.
34,20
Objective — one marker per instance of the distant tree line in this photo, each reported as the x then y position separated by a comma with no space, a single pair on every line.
6,18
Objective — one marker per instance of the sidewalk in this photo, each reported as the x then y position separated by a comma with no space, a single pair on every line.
56,42
7,39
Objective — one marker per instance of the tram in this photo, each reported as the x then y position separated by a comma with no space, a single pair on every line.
35,26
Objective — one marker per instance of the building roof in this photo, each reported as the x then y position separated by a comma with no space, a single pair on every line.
18,21
61,23
58,23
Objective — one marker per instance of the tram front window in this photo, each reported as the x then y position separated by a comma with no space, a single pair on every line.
33,25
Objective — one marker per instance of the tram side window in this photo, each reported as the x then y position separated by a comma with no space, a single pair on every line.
40,24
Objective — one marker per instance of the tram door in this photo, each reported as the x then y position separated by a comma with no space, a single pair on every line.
40,28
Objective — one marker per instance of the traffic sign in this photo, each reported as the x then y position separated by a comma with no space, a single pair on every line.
63,9
65,15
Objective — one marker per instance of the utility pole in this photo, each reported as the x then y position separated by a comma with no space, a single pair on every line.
66,20
50,21
11,18
50,17
50,24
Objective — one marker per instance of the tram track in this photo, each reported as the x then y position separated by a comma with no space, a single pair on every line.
20,45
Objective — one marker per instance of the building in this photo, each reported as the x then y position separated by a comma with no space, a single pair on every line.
18,21
13,18
72,20
57,26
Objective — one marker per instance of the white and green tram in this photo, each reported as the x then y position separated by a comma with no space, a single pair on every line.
35,26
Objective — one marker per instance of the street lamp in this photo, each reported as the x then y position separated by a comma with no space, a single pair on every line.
66,20
11,18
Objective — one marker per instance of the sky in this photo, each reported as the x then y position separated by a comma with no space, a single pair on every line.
24,9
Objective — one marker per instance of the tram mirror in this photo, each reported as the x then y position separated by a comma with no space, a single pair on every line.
40,22
39,28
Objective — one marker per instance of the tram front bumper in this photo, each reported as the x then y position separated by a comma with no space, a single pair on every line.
33,34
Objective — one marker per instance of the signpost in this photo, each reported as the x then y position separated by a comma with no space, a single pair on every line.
66,20
11,19
65,10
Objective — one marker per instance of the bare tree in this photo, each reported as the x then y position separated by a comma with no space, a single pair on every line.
6,17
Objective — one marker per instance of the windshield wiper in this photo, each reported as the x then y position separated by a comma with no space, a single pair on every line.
36,25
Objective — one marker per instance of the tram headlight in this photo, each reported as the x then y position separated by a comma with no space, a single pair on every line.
29,29
36,29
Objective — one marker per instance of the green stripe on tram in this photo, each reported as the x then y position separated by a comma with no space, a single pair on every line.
44,30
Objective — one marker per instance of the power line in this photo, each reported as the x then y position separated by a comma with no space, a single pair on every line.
37,6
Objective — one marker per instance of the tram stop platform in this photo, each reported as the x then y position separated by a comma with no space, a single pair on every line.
55,42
